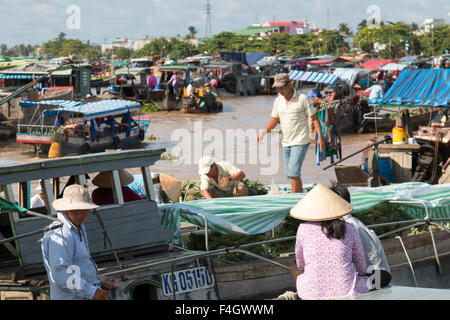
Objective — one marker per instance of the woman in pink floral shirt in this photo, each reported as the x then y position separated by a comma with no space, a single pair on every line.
328,249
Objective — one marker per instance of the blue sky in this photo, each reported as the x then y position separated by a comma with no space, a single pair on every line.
36,21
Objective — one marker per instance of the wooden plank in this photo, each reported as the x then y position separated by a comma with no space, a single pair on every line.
398,147
48,196
148,182
117,190
69,166
134,224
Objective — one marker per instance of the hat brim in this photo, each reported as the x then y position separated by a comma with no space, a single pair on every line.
66,205
280,84
171,186
103,179
204,170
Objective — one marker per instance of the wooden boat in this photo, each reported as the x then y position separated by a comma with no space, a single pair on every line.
384,123
134,228
205,102
78,122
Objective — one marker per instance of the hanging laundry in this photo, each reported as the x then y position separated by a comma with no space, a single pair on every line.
330,117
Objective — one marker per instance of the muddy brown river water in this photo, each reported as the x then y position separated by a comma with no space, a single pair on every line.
186,136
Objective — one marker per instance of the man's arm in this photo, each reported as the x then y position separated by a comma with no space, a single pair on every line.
271,125
236,177
206,194
318,128
65,278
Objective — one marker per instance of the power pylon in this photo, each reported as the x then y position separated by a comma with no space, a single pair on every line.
208,11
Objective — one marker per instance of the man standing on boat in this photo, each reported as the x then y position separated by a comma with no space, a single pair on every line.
291,110
72,273
220,179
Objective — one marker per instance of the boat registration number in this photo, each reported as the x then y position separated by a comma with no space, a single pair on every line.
187,280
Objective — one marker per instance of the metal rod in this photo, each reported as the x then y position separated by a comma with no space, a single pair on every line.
440,226
409,260
438,262
40,215
198,255
22,289
394,223
32,233
355,153
400,229
259,257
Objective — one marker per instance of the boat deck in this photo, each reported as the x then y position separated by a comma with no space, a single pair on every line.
403,293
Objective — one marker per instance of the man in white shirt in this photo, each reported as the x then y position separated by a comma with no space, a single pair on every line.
376,91
291,110
37,201
220,179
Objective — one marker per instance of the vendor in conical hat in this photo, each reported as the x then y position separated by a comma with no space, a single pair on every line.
328,250
104,194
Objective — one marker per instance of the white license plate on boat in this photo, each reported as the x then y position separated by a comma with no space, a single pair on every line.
187,280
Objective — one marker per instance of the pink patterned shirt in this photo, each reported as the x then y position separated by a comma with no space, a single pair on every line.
332,267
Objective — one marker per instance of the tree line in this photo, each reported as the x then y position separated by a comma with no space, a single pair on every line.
397,39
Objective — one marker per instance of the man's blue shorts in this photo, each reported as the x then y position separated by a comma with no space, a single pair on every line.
293,158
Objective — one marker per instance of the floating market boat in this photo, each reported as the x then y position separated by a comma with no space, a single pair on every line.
138,247
83,128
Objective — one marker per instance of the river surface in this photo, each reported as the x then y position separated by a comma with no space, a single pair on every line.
252,112
186,136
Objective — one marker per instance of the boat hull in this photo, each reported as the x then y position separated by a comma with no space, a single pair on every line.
80,145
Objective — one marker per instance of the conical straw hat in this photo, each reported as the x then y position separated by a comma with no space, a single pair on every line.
321,204
171,186
104,179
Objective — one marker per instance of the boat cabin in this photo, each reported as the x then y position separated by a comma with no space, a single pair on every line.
134,227
94,126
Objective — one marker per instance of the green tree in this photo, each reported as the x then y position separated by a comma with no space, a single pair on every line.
192,32
343,27
61,36
123,53
362,25
3,49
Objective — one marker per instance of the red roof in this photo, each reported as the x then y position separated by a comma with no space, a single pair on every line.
287,23
376,64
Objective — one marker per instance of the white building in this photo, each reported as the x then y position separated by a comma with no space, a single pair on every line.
430,24
118,43
139,44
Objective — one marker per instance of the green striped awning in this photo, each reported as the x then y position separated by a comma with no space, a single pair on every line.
259,214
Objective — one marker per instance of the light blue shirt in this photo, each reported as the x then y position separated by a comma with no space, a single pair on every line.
64,247
376,91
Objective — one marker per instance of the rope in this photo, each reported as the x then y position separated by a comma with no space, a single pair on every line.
106,238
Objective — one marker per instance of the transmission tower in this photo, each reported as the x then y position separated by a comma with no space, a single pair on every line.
328,19
208,10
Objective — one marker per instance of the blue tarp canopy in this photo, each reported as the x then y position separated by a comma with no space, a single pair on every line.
20,76
422,87
90,110
247,58
317,77
350,75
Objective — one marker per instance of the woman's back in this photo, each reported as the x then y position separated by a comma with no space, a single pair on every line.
331,266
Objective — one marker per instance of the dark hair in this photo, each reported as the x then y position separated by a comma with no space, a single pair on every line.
341,191
334,228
